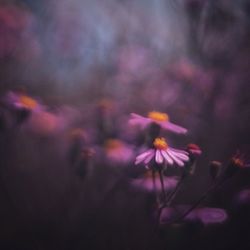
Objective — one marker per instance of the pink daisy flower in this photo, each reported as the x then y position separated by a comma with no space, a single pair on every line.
163,154
162,119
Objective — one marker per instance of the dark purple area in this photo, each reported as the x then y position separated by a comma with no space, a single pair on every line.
88,65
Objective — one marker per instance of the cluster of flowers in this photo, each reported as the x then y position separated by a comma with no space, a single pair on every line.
161,152
156,158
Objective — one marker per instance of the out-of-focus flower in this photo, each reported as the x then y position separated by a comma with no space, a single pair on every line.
243,196
162,119
39,120
106,105
151,183
209,215
22,101
118,152
206,215
194,149
163,154
77,133
236,163
18,38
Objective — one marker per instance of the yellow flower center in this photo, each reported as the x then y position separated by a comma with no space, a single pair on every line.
158,116
27,102
160,143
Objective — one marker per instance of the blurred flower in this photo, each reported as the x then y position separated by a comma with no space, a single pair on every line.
117,151
162,119
194,149
236,163
22,101
17,32
243,196
38,119
163,154
152,182
206,215
209,215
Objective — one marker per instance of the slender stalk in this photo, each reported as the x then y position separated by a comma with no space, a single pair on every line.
164,195
220,182
173,194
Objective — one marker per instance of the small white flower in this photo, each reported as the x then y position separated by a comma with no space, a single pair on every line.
162,119
163,154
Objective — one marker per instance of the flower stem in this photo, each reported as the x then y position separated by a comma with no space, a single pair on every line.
173,194
203,197
162,187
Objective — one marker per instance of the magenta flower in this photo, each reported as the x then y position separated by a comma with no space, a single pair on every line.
163,154
161,119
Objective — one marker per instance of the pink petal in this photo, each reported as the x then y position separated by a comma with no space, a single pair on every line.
168,159
138,120
134,115
173,127
149,157
178,161
140,158
158,157
180,155
211,215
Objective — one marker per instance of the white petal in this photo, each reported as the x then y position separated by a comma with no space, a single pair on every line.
143,156
172,155
168,159
158,157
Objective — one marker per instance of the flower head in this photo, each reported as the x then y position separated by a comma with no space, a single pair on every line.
163,154
22,101
118,151
162,119
158,116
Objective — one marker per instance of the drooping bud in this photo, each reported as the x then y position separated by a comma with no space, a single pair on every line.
215,168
